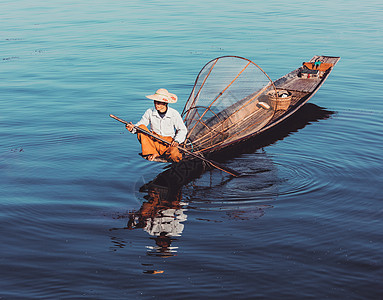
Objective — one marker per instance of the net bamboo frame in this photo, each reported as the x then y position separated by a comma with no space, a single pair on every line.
224,103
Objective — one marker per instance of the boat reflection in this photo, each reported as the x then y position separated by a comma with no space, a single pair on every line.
163,213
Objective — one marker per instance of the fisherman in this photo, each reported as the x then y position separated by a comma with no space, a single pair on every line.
166,123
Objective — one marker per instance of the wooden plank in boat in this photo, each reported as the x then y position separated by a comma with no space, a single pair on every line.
301,85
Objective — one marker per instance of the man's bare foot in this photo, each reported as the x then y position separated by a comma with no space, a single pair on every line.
152,157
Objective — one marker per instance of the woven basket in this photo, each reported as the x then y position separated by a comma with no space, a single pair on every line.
279,103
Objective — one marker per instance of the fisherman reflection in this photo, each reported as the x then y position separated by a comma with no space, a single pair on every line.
161,216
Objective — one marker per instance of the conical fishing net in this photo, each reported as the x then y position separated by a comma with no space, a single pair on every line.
228,103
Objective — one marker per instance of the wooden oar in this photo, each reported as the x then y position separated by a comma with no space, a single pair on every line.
213,163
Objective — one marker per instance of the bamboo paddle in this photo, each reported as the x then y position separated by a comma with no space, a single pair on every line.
213,163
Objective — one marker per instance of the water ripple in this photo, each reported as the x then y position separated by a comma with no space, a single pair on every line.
304,174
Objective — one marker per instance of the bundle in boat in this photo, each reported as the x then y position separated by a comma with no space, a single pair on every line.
229,100
315,69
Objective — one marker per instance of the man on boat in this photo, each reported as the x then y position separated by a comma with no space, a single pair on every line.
166,123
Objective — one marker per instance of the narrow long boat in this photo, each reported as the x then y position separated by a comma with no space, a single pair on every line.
233,100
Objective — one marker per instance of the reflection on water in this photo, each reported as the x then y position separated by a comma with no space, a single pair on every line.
162,214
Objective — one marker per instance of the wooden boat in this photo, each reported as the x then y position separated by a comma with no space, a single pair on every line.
233,100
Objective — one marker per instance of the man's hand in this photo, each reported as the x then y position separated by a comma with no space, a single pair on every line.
174,144
129,126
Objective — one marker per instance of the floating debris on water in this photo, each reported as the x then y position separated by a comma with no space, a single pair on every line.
153,272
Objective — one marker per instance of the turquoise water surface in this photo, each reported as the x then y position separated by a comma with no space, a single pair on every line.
303,222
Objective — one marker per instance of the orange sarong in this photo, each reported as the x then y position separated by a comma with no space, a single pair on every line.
152,146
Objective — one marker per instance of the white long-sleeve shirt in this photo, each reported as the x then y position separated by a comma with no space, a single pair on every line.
171,124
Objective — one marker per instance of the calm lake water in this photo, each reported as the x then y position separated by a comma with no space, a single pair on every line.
305,220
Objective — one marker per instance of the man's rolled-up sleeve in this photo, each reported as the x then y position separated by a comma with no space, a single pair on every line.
181,130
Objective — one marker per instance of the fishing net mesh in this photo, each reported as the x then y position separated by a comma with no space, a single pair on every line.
228,102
